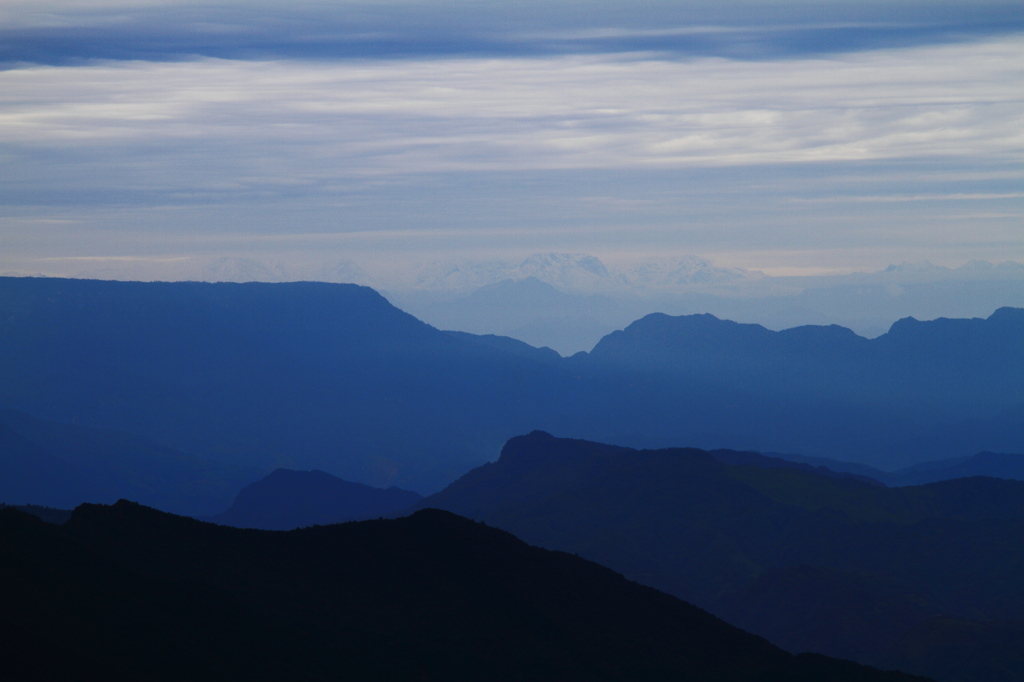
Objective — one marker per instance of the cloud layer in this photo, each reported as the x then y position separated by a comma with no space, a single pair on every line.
592,132
287,123
62,31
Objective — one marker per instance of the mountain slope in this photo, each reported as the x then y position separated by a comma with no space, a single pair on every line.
125,592
860,564
301,374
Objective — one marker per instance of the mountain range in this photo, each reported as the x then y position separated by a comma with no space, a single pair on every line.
549,308
254,377
185,395
813,559
569,301
924,579
125,592
286,499
992,464
301,375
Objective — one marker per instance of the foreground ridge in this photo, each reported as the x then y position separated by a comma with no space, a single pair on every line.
128,592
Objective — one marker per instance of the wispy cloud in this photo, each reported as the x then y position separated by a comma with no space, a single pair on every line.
578,134
297,123
69,31
897,198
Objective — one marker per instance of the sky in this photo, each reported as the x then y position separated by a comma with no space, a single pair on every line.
789,137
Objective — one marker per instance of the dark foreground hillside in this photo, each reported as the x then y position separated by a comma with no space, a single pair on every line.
127,592
925,579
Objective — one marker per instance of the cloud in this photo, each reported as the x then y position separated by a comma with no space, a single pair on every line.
63,31
952,196
250,126
573,152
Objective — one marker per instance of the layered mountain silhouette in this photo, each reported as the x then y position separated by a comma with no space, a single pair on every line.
570,320
127,592
47,514
923,391
812,562
992,464
288,499
296,375
179,394
332,377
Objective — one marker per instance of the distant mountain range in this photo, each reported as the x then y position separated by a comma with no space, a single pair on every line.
927,388
574,272
548,307
577,273
569,301
302,375
333,377
924,579
287,499
992,464
126,593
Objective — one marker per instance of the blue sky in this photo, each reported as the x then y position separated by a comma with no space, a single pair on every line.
786,136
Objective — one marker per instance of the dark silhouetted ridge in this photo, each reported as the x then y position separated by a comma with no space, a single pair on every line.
810,559
125,592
